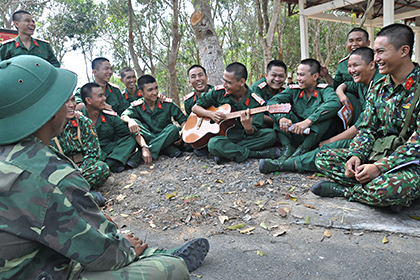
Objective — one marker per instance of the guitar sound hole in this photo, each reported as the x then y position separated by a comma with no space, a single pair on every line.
212,121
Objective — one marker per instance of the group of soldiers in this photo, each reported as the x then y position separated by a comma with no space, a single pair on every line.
109,130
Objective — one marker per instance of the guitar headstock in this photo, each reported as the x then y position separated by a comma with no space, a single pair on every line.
280,108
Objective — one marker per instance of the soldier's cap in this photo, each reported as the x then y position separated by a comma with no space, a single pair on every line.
32,91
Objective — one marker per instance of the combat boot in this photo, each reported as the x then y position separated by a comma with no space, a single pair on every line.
328,189
286,152
136,159
270,165
193,253
272,153
299,151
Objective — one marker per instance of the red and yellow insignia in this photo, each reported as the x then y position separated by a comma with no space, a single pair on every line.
262,85
247,102
301,94
136,103
109,88
159,105
93,129
74,123
258,98
409,82
126,96
17,44
36,43
315,93
219,87
188,96
103,119
144,107
139,93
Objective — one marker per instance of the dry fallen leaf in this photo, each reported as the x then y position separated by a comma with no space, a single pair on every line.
282,212
121,197
287,209
327,233
259,253
138,212
248,230
196,214
187,158
288,196
385,240
219,181
264,226
309,206
259,184
124,215
307,220
170,195
129,185
223,219
152,225
278,233
238,226
270,181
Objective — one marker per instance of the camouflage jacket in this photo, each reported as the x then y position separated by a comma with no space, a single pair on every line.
386,110
87,144
50,227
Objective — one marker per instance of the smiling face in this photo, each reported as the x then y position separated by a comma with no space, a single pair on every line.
231,85
150,92
98,99
356,40
26,25
129,80
359,70
71,107
276,77
304,77
198,79
104,73
386,56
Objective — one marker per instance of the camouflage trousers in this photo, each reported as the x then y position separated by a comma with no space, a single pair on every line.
153,264
95,172
399,187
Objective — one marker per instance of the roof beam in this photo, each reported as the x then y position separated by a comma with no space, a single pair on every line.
329,6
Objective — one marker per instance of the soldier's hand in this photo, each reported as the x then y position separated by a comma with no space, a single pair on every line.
108,107
246,120
133,126
299,127
218,116
146,155
324,71
161,97
284,124
136,244
367,172
351,166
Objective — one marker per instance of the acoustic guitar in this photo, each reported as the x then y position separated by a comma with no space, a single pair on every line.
198,130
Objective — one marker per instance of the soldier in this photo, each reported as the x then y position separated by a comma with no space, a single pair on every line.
247,138
24,43
128,77
356,38
79,142
117,143
364,72
198,80
314,106
390,180
102,71
271,84
152,119
52,228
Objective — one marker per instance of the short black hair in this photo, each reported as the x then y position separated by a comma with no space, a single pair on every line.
238,69
97,62
276,63
358,29
365,53
124,71
196,66
86,91
17,16
398,35
145,79
314,65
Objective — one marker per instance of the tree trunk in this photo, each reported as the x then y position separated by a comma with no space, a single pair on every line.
131,41
207,41
176,38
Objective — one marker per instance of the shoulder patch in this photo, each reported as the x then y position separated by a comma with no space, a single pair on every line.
294,86
188,96
136,103
111,113
42,40
219,87
167,100
8,41
258,98
262,85
344,59
322,85
114,85
283,86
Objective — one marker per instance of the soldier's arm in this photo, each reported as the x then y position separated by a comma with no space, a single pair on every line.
328,108
51,57
89,138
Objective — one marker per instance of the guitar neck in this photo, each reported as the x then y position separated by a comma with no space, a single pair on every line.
252,111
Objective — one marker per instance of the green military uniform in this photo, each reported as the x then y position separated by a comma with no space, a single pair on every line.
53,229
321,107
237,144
342,74
386,111
40,48
156,126
117,143
113,96
191,98
128,96
260,87
80,143
306,162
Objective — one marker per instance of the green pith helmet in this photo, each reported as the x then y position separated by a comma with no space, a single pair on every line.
32,91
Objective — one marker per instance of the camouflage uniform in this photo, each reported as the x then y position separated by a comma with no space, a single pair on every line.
156,126
40,48
128,96
191,98
237,144
53,229
79,142
113,96
116,141
260,87
321,108
386,110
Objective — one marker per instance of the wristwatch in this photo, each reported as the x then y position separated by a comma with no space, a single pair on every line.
145,146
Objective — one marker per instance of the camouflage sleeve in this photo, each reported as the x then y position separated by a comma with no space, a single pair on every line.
89,138
328,108
285,97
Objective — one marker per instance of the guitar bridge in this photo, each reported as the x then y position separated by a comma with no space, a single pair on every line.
200,121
